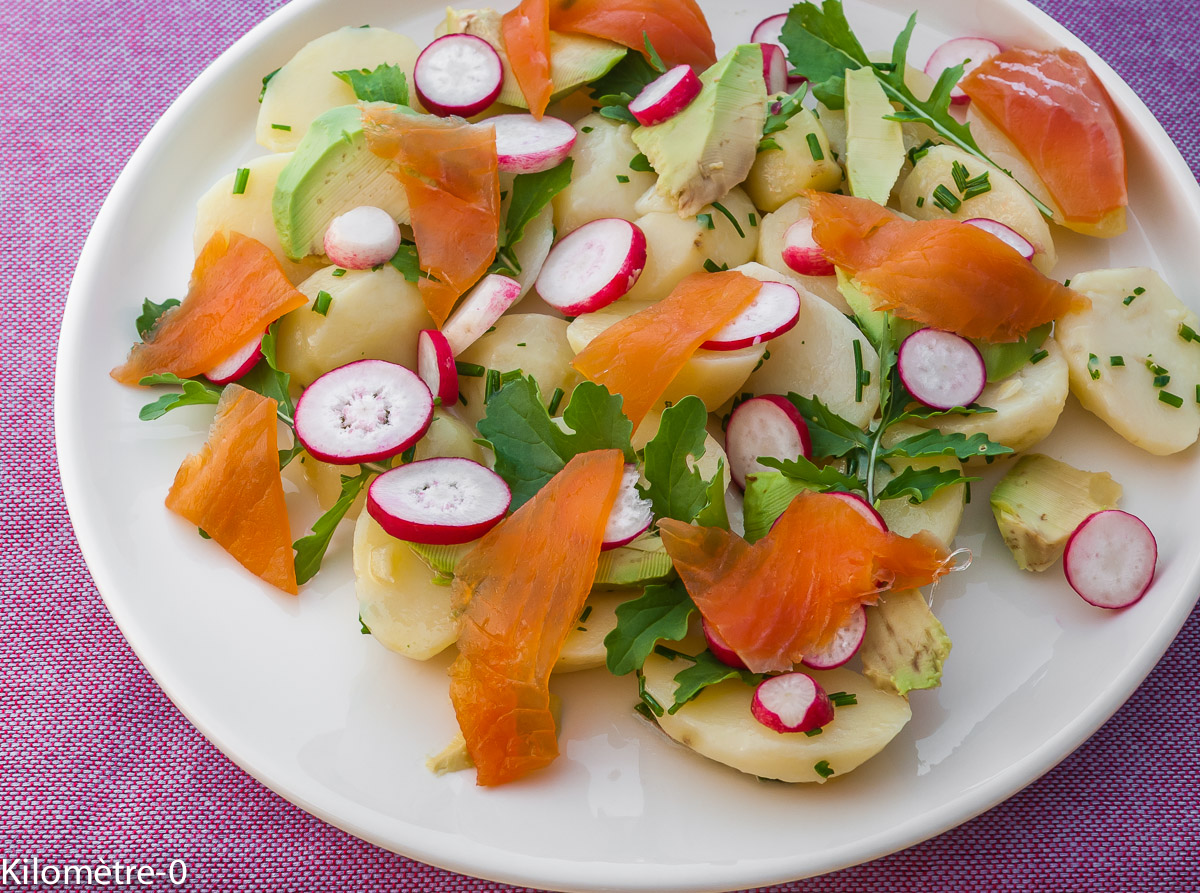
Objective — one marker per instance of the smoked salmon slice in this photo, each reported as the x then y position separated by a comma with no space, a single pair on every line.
526,32
677,28
786,595
941,273
640,355
521,590
448,169
232,490
1058,114
237,290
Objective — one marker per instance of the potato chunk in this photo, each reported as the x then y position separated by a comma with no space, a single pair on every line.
601,154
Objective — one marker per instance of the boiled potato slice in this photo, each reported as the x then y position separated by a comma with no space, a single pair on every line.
719,725
1148,328
939,515
601,153
584,648
397,599
326,480
779,175
306,86
770,252
374,314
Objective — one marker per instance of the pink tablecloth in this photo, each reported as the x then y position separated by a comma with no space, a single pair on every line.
96,763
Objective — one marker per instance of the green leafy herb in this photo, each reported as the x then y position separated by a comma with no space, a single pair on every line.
920,201
919,484
711,266
640,162
814,147
338,273
753,219
1129,299
618,112
831,434
530,194
769,493
858,371
555,399
1170,399
621,178
406,262
652,56
321,304
240,180
843,699
661,612
387,83
586,129
935,443
812,733
779,113
469,370
281,126
614,91
945,199
150,315
266,80
706,670
194,393
674,487
651,703
1116,361
310,550
1187,333
728,216
1161,381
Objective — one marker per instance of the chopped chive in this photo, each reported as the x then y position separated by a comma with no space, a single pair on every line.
766,356
510,375
240,180
585,129
858,371
491,384
363,628
408,455
621,178
720,207
1129,299
266,80
945,199
339,273
754,220
710,266
470,370
281,126
814,147
1170,399
641,163
920,201
961,175
643,710
648,699
977,187
664,651
1139,291
967,499
520,344
321,304
843,698
1039,356
1093,366
1116,361
204,534
823,769
489,331
1156,369
555,399
587,612
814,732
462,398
1067,284
1161,381
706,221
1187,333
1198,393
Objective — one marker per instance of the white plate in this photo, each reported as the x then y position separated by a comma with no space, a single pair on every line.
291,691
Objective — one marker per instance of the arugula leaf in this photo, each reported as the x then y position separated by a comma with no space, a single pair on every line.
661,612
928,412
597,421
827,478
675,487
769,493
406,262
195,392
714,514
387,83
652,55
831,434
935,443
706,670
310,550
266,379
919,484
624,81
530,194
150,314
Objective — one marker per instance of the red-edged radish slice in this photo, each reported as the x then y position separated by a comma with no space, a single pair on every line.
362,238
940,369
363,412
525,145
438,502
969,50
458,74
774,310
863,507
1007,235
764,426
592,266
245,359
844,645
631,514
719,647
666,96
793,702
775,68
435,366
479,310
801,251
1110,559
769,29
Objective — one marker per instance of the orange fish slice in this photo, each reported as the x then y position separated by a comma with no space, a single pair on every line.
785,596
448,168
526,32
237,290
522,589
677,28
232,490
640,355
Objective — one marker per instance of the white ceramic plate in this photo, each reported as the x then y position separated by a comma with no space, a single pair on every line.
291,691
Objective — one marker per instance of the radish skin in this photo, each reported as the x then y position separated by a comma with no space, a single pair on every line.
970,50
774,310
1110,559
458,74
593,266
940,369
525,145
775,68
1005,234
666,96
865,509
764,426
362,238
242,361
435,366
844,645
479,310
802,253
792,702
631,514
719,647
443,501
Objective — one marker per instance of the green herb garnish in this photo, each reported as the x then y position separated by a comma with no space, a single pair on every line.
321,304
241,178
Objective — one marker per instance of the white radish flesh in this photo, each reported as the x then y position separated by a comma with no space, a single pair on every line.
435,366
793,702
525,145
483,305
972,51
802,253
458,74
775,68
438,501
593,266
773,311
769,29
363,412
1110,559
242,361
940,369
1005,234
844,645
631,514
865,509
666,96
764,426
362,238
719,647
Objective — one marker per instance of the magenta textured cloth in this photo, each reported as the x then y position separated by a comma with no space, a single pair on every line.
96,762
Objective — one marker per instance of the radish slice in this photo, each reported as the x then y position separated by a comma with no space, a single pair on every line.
362,412
844,645
1008,236
435,366
769,29
438,502
525,145
666,96
245,359
941,369
970,50
362,238
631,514
593,266
774,310
863,507
483,305
802,253
775,68
719,647
1110,559
458,74
793,702
764,426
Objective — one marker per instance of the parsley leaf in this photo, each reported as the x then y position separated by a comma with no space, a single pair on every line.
150,315
310,550
675,487
661,612
706,670
195,392
935,443
530,194
919,484
387,83
831,434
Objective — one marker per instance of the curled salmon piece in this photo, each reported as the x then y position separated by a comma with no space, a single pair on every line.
521,591
526,32
676,28
232,489
237,290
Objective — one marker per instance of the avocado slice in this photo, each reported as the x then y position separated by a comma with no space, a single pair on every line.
331,171
708,148
874,145
905,645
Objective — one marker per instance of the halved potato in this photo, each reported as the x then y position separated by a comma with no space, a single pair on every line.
584,648
602,152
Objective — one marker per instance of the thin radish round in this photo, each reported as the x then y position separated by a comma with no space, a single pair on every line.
631,514
479,310
458,74
769,29
969,50
1110,559
592,266
1007,235
844,645
863,507
525,145
242,361
438,502
801,251
719,647
435,366
362,238
940,369
793,702
774,310
666,96
764,426
775,68
363,412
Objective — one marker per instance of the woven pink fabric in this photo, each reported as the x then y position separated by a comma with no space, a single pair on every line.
96,762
